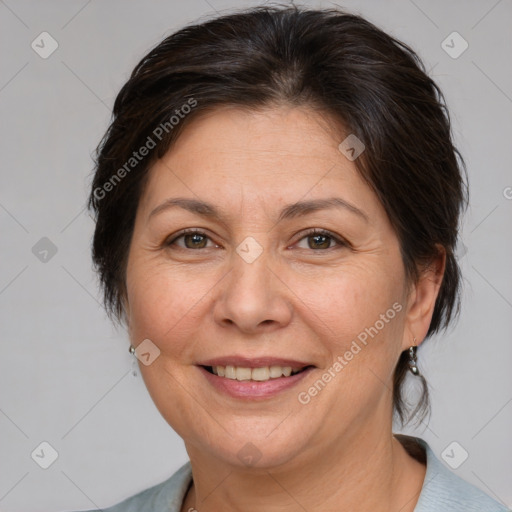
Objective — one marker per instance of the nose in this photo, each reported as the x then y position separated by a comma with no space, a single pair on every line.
252,297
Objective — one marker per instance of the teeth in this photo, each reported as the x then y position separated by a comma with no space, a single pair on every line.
243,373
275,371
259,374
287,371
230,372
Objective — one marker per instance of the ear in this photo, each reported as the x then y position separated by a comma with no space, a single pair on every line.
422,299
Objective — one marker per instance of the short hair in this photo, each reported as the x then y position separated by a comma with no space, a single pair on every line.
268,56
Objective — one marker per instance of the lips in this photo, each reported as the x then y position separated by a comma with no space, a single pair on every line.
256,362
257,387
253,378
259,369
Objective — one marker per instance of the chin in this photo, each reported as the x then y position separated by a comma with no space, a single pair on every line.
263,447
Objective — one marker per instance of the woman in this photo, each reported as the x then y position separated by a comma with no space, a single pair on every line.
277,204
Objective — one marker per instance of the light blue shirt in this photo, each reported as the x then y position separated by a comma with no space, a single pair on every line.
442,491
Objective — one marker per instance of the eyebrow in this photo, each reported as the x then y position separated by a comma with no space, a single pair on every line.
290,211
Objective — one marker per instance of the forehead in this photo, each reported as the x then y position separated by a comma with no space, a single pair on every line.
277,155
267,135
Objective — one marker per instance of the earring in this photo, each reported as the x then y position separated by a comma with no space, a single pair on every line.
412,359
131,349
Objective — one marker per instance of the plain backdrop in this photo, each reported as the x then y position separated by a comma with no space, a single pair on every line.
67,378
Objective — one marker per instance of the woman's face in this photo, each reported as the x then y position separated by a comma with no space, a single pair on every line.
255,289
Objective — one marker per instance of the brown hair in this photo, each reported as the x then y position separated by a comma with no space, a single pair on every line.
375,85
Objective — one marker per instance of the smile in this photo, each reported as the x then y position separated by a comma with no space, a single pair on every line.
254,383
259,374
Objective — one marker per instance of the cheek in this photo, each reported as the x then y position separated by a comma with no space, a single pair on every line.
351,298
165,304
356,313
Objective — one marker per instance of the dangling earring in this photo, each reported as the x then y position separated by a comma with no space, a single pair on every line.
412,359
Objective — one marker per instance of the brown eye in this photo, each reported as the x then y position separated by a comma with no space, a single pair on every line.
195,241
321,239
191,240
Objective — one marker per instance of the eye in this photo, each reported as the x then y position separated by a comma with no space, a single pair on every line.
192,239
321,239
316,239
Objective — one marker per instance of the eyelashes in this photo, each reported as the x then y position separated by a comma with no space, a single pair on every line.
323,234
193,233
198,240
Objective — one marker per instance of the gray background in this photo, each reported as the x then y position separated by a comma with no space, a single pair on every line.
66,375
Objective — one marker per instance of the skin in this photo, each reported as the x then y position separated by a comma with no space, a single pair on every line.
295,300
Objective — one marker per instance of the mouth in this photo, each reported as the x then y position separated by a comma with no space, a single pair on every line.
253,378
258,374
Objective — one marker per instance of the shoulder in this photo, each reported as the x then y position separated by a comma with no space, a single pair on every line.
443,490
167,495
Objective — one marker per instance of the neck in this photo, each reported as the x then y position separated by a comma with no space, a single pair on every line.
367,471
